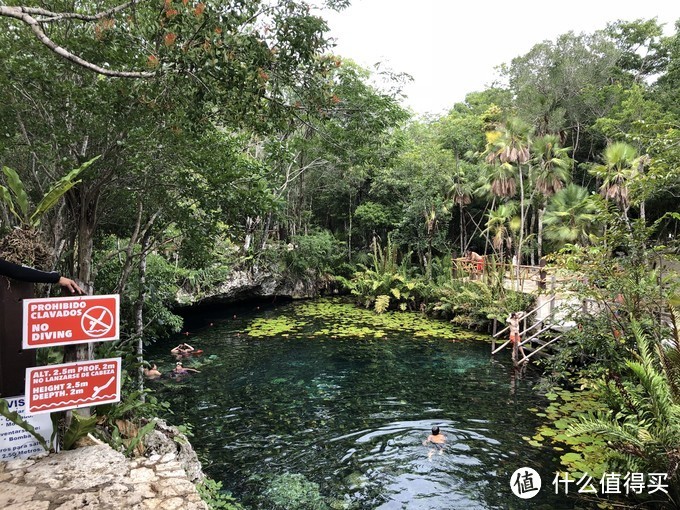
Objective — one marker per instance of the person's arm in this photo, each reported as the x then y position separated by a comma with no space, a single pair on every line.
29,274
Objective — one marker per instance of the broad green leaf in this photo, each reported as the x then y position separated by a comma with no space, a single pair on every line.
80,427
6,197
15,418
142,432
17,187
57,191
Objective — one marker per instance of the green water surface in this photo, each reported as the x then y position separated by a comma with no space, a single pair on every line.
324,405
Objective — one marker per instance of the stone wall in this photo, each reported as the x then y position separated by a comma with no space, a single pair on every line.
97,477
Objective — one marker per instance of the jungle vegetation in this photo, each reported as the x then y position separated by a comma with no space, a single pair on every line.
214,136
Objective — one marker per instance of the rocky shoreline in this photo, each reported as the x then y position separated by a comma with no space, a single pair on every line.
98,477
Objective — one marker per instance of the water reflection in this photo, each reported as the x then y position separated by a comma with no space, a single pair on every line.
350,415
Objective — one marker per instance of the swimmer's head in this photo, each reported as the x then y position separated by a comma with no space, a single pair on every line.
435,430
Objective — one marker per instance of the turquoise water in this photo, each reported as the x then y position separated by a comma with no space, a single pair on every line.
339,420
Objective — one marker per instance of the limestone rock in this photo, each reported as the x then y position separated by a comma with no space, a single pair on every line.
168,442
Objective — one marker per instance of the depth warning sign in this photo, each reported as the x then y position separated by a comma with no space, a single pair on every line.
70,385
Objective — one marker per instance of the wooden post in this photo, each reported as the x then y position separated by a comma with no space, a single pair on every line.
493,337
14,360
78,352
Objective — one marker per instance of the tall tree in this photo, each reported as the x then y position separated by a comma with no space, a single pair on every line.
550,173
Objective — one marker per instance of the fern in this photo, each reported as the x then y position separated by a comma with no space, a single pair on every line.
646,437
382,303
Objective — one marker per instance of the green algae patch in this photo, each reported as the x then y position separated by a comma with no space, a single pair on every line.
281,325
333,318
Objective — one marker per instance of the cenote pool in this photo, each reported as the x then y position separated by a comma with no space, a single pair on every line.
320,404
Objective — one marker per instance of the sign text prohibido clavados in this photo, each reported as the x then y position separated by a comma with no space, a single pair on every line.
70,320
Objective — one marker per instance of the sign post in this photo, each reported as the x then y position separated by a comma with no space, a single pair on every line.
70,320
72,385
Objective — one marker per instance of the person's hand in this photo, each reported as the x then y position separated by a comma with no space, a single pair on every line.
70,285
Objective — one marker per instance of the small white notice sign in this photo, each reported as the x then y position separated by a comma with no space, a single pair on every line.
15,442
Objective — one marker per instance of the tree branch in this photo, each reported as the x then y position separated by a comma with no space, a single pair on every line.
50,16
22,14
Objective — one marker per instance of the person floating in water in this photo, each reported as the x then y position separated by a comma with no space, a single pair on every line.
182,351
152,372
515,339
180,369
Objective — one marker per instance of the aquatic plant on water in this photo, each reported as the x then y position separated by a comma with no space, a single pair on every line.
338,319
292,491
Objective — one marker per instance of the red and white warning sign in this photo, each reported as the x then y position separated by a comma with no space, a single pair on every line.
70,385
70,320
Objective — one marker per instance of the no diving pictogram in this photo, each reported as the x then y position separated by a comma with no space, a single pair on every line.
97,321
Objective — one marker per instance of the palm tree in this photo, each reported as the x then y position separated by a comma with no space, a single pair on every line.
499,228
460,193
512,147
619,167
571,216
550,175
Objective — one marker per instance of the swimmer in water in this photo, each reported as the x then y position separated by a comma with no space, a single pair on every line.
436,439
152,373
180,369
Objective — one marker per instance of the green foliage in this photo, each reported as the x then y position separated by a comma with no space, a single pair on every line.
572,216
18,201
292,491
586,453
382,302
317,253
212,494
163,281
15,418
643,420
385,278
80,427
337,318
475,303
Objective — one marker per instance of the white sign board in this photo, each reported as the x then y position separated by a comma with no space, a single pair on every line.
15,442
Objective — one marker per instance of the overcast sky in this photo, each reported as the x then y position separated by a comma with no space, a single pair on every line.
451,47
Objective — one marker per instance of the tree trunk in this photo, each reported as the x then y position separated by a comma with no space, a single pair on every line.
520,242
139,310
539,233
